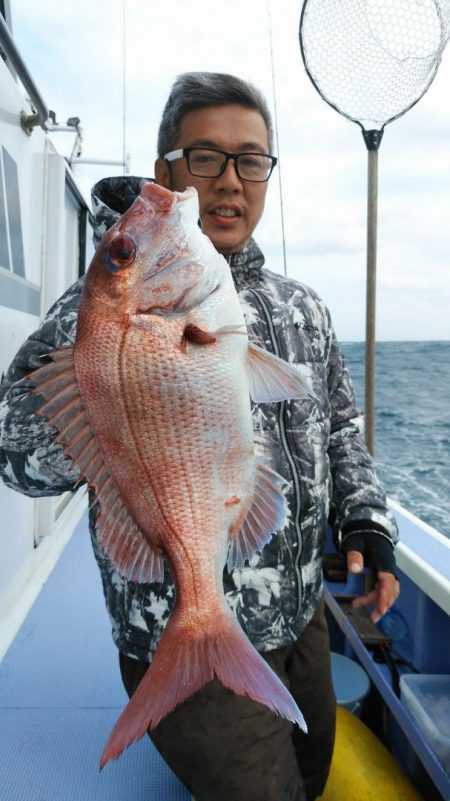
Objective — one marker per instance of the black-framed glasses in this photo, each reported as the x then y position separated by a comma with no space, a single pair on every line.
210,162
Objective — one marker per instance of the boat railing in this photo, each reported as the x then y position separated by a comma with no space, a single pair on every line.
423,553
9,48
418,628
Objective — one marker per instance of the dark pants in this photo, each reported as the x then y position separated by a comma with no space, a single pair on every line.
225,747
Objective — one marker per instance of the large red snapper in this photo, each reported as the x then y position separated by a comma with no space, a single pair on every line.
153,405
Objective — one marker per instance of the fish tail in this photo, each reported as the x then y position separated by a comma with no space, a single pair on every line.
183,665
240,667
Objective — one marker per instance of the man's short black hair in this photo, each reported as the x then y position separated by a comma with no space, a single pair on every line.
195,90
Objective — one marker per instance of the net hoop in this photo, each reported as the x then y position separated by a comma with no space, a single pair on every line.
379,124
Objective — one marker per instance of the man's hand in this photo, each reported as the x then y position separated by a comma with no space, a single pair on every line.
374,551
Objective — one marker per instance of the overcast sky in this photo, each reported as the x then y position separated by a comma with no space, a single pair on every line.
75,53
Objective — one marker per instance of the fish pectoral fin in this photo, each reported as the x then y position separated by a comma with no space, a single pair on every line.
134,557
273,379
197,336
266,514
238,328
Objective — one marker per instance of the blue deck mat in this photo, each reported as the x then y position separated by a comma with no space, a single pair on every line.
61,693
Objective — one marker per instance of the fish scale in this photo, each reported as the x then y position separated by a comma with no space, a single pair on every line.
191,443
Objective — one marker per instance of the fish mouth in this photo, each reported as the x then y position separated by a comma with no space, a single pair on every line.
189,193
160,198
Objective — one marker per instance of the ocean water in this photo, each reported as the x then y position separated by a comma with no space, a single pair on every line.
412,450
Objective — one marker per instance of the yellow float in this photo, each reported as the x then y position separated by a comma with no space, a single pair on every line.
362,768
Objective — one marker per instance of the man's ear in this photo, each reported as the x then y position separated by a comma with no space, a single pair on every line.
162,173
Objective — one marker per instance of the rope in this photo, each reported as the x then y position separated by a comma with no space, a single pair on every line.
124,93
280,186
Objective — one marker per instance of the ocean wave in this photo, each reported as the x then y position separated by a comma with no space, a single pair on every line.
412,420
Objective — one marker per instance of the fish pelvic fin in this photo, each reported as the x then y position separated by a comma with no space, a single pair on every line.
121,539
273,379
183,665
266,515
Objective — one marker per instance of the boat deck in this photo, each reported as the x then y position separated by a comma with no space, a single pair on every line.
61,693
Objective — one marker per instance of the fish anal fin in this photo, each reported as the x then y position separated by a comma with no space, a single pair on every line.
135,558
267,513
273,379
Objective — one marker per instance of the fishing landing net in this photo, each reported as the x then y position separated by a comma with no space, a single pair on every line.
372,60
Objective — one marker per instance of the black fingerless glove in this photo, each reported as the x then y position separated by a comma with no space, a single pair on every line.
377,551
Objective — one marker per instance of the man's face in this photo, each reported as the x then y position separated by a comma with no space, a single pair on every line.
235,129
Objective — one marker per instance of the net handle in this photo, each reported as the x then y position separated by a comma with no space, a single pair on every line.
371,288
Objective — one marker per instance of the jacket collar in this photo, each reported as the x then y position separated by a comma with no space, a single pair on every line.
111,197
246,265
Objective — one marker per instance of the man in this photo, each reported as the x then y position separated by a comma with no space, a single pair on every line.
216,135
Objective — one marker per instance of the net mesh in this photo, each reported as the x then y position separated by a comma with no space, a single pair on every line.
373,59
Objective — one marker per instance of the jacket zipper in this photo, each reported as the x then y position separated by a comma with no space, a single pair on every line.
282,415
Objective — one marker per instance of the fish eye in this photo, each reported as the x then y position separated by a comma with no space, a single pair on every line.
121,252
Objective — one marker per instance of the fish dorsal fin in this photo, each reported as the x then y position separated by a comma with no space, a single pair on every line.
273,379
122,540
266,514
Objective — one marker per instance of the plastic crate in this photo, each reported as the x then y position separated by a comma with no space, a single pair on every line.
427,697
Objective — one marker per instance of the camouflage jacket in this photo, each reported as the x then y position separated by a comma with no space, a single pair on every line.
316,445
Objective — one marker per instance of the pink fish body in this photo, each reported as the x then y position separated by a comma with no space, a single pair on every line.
153,405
